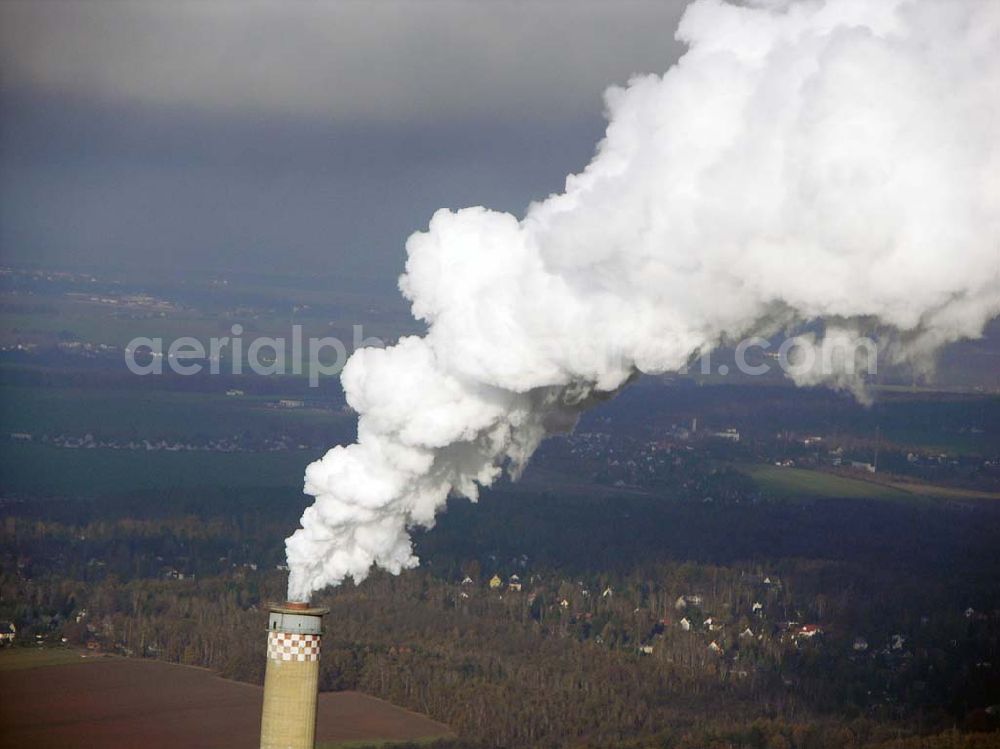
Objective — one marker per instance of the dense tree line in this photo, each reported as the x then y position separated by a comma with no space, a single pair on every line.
596,661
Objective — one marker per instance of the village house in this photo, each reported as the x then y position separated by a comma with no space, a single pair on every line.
495,582
685,624
683,602
7,633
808,631
514,584
730,434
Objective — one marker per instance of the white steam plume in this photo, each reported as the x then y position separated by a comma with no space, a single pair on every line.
816,160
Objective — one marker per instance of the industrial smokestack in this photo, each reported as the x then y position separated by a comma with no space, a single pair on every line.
291,681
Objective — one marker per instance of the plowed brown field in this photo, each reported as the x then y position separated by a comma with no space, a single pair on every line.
120,703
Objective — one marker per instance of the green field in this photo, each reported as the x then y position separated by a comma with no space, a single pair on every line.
137,414
18,659
79,319
49,471
805,484
133,415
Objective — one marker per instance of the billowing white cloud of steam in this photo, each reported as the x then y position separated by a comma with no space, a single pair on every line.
814,160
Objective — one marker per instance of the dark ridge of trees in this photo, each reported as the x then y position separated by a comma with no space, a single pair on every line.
591,652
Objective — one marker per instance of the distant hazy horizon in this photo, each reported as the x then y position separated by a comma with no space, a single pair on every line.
309,138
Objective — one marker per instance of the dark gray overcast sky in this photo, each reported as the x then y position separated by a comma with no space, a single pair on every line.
301,136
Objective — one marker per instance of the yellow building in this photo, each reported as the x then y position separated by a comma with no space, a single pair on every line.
495,582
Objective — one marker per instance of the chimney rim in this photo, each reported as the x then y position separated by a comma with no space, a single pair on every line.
297,607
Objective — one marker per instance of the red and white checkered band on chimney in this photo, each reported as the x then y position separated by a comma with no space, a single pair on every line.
283,646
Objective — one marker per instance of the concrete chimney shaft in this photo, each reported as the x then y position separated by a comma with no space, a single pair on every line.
291,681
